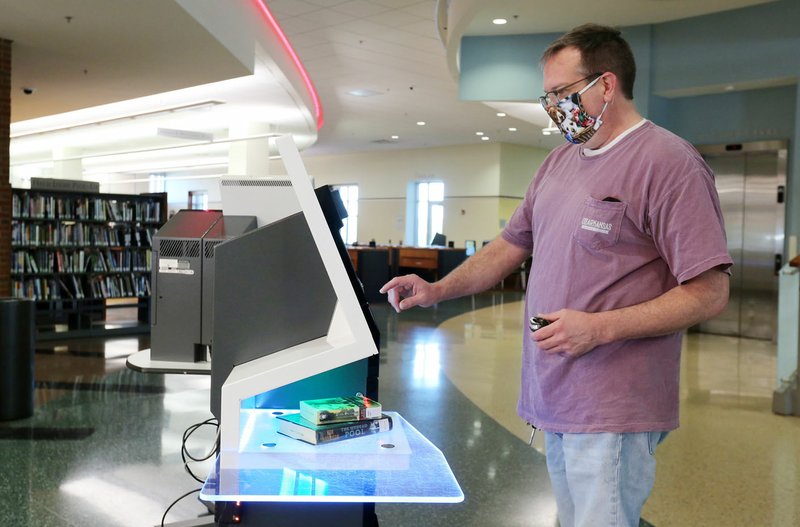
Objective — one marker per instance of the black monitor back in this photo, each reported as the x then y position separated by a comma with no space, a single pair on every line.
334,211
271,292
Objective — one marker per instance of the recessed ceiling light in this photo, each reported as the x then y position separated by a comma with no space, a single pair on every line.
421,123
499,21
395,137
501,114
364,92
478,133
512,129
485,138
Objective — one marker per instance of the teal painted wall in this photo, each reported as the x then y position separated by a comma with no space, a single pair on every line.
736,117
502,68
742,45
640,40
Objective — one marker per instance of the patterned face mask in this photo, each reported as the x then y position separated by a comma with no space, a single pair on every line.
576,125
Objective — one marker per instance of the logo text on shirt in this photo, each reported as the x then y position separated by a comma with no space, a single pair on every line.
596,226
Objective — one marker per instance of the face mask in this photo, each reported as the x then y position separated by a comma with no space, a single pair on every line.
570,116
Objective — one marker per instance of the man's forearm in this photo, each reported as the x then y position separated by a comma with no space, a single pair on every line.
482,270
699,299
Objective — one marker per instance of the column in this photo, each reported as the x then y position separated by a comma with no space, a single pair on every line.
250,156
5,186
67,164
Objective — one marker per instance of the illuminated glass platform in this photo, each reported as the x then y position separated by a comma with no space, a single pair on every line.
398,466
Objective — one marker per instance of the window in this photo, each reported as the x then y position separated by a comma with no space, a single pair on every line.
158,182
349,195
430,210
198,199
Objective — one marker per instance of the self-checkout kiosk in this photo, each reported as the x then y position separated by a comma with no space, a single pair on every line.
291,322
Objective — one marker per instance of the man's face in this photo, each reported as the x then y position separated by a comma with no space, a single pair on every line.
564,75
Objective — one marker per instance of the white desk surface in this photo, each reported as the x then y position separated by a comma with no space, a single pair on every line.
398,466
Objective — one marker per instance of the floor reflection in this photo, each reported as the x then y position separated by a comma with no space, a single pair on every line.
426,365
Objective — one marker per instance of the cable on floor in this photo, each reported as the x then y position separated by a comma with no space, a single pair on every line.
186,456
163,518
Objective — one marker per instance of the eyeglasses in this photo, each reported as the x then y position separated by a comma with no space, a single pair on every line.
550,99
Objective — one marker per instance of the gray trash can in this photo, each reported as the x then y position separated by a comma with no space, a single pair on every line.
17,318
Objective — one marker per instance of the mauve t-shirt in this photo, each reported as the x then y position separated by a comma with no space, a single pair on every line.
611,230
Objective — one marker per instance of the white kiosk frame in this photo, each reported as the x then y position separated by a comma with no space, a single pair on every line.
348,339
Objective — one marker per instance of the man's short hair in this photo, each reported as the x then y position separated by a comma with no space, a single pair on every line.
602,49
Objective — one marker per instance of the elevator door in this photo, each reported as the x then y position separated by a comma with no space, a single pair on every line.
751,182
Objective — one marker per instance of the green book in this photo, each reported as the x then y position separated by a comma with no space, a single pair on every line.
295,426
340,409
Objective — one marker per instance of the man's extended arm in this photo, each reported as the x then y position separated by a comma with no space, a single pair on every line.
478,273
575,333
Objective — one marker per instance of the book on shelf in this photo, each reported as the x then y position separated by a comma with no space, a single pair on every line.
297,427
339,409
66,293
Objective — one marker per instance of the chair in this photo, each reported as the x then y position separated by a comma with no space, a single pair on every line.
520,275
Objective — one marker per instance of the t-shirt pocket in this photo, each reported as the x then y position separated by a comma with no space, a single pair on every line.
599,223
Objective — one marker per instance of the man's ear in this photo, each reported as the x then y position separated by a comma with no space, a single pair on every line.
609,81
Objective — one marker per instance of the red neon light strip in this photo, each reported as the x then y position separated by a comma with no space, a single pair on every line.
290,50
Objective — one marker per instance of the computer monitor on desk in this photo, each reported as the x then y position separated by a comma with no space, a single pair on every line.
287,306
470,247
439,240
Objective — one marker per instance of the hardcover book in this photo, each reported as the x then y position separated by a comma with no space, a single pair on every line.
295,426
340,409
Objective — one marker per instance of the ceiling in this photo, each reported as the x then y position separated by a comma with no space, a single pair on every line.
379,67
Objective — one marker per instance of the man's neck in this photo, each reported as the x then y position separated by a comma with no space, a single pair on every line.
617,122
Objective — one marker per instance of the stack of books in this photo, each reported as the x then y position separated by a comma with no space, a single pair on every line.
334,419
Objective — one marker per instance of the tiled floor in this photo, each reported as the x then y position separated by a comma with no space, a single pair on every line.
103,446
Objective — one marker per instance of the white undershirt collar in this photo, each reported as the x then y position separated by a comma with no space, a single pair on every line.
589,152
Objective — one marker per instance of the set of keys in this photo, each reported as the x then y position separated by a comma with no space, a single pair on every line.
536,323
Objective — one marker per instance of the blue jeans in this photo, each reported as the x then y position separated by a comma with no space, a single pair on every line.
601,480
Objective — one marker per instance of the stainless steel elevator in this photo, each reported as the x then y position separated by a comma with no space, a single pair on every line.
751,182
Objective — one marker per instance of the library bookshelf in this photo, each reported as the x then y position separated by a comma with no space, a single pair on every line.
78,254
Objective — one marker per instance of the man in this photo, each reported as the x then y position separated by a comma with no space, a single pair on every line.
628,249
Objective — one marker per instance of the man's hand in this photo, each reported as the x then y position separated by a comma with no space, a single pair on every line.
477,273
404,292
570,332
